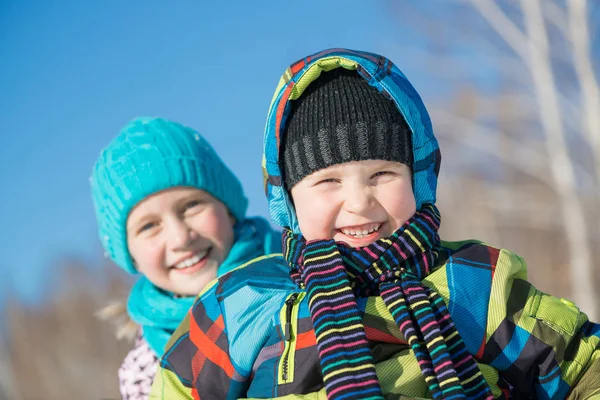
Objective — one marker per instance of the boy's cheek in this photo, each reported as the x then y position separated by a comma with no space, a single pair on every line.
316,226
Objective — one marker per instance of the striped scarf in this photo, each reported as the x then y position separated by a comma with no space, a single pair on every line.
334,274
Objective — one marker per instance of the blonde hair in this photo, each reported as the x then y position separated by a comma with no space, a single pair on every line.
116,314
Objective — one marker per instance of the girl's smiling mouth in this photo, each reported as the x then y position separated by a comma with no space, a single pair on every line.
193,263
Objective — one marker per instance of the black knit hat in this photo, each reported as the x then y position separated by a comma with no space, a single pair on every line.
341,118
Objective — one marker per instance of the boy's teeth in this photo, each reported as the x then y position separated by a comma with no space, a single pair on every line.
190,261
366,230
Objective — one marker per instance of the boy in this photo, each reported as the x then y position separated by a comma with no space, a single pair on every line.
367,302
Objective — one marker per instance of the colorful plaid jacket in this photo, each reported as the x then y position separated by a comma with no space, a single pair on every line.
249,334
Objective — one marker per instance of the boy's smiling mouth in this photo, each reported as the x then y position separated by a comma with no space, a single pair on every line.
360,235
361,231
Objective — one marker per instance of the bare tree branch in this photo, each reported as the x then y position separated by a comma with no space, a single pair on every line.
504,27
474,135
446,67
561,166
557,17
579,33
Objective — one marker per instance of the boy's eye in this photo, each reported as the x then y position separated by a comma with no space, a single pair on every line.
329,180
381,173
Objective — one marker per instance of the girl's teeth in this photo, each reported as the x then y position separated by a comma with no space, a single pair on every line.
190,261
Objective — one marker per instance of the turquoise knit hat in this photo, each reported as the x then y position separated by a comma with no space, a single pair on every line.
150,155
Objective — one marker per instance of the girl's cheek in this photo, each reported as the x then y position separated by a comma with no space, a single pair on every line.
151,249
216,223
148,243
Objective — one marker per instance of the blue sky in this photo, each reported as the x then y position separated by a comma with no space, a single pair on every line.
73,73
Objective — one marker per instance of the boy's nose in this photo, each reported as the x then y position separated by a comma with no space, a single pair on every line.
358,200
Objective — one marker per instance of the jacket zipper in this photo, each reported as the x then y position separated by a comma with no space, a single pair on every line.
288,334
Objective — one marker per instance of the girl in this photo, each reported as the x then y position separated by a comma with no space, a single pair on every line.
170,209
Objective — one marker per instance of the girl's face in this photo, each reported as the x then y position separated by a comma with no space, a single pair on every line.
178,238
357,202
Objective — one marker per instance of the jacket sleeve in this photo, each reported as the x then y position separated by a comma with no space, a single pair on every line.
543,346
583,358
196,363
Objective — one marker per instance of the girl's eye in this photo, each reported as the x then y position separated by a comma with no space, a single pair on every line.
146,227
192,205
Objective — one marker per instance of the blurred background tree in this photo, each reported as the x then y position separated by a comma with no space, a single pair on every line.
521,151
60,349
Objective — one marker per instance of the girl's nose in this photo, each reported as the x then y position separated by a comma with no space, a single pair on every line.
180,235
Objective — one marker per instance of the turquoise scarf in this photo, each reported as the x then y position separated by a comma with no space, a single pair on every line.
159,312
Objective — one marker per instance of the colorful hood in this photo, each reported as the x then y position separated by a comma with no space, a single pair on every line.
381,74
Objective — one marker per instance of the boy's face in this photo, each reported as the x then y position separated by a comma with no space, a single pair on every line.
178,238
357,202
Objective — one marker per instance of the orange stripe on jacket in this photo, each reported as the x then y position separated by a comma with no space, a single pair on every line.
306,339
206,345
